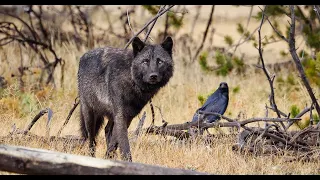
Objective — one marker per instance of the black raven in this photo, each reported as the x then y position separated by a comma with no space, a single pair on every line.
216,102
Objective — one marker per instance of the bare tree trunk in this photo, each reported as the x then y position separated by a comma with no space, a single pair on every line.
38,161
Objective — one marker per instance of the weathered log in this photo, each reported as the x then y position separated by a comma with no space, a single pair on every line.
26,160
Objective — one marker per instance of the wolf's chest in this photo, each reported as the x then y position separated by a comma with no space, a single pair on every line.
136,103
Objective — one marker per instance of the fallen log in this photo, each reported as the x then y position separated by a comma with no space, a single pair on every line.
26,160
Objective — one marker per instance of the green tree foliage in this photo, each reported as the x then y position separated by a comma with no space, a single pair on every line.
294,111
228,39
223,62
312,69
203,62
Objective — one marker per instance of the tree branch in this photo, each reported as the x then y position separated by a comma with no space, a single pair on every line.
248,20
154,22
298,62
76,103
35,119
300,115
140,124
204,34
146,25
270,80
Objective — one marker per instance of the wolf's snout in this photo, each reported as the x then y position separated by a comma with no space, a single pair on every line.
153,77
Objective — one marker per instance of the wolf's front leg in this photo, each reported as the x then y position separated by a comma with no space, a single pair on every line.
120,126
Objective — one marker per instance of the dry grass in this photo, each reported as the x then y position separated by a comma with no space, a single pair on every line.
178,101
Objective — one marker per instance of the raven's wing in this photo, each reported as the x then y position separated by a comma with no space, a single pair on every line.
219,106
212,99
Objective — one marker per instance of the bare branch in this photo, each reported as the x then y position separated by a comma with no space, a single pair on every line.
140,124
146,25
35,119
231,123
270,80
304,112
245,40
166,27
275,30
154,22
311,117
163,121
152,111
205,33
76,103
166,131
298,62
129,23
251,120
299,116
279,34
243,34
281,112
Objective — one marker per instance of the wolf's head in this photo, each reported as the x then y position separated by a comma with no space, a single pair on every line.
152,66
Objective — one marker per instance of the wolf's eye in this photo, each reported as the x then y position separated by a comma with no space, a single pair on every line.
145,61
159,61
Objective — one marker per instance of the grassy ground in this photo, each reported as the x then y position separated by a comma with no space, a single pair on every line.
177,101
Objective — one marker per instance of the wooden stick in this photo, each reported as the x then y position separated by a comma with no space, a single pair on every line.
35,119
76,103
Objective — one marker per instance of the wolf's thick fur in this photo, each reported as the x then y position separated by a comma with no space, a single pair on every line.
118,83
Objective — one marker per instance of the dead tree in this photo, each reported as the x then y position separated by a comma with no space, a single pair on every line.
295,57
297,61
35,38
34,161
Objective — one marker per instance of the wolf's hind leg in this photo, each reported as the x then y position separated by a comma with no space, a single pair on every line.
111,140
89,122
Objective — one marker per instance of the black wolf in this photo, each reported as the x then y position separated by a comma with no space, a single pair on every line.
118,83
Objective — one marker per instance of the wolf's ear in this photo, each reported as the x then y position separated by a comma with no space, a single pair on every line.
137,46
167,45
